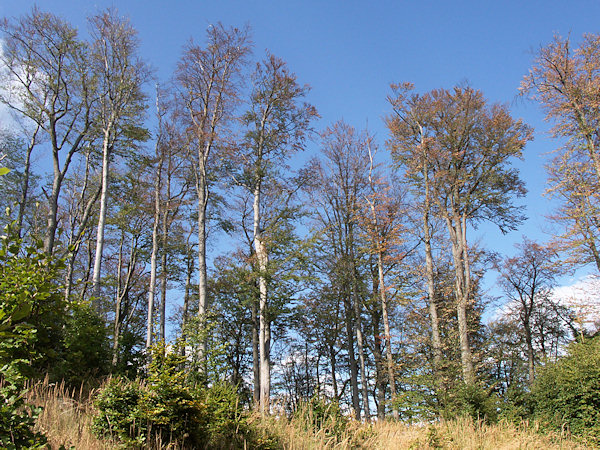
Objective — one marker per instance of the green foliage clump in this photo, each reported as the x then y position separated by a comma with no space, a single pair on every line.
471,400
26,288
516,404
567,393
136,413
119,418
168,403
85,349
168,407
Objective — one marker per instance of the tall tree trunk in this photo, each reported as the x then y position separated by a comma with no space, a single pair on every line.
461,267
123,293
102,216
333,367
357,302
378,358
154,253
116,327
163,258
52,218
187,293
255,354
349,310
436,340
388,333
202,192
58,177
264,337
88,269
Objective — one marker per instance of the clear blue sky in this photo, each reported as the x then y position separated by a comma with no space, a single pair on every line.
350,51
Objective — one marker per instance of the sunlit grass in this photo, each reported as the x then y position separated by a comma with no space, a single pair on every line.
67,416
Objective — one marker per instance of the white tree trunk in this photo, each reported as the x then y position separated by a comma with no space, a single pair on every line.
102,216
153,256
264,336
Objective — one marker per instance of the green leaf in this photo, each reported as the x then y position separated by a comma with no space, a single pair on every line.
4,170
21,312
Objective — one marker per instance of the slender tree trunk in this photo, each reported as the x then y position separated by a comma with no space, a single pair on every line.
52,220
332,365
349,310
69,274
202,191
102,217
255,353
88,269
163,262
116,327
436,340
530,354
123,293
163,289
25,186
187,292
388,333
154,254
379,365
264,322
357,302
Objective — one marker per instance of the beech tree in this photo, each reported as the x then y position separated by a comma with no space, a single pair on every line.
469,156
48,81
381,219
338,195
278,122
119,109
566,83
527,279
410,139
209,81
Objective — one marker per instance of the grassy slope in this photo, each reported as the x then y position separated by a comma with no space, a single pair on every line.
66,421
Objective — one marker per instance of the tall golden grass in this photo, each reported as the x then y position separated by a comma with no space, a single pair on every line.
67,416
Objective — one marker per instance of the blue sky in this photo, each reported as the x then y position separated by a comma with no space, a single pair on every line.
350,51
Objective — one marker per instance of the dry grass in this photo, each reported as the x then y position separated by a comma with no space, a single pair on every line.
465,434
67,415
456,434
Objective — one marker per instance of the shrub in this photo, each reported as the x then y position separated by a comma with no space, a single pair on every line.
168,408
85,347
567,393
119,416
27,291
472,400
168,403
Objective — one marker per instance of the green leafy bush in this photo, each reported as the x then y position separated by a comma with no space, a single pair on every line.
85,350
27,290
471,400
119,418
168,403
567,393
167,407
